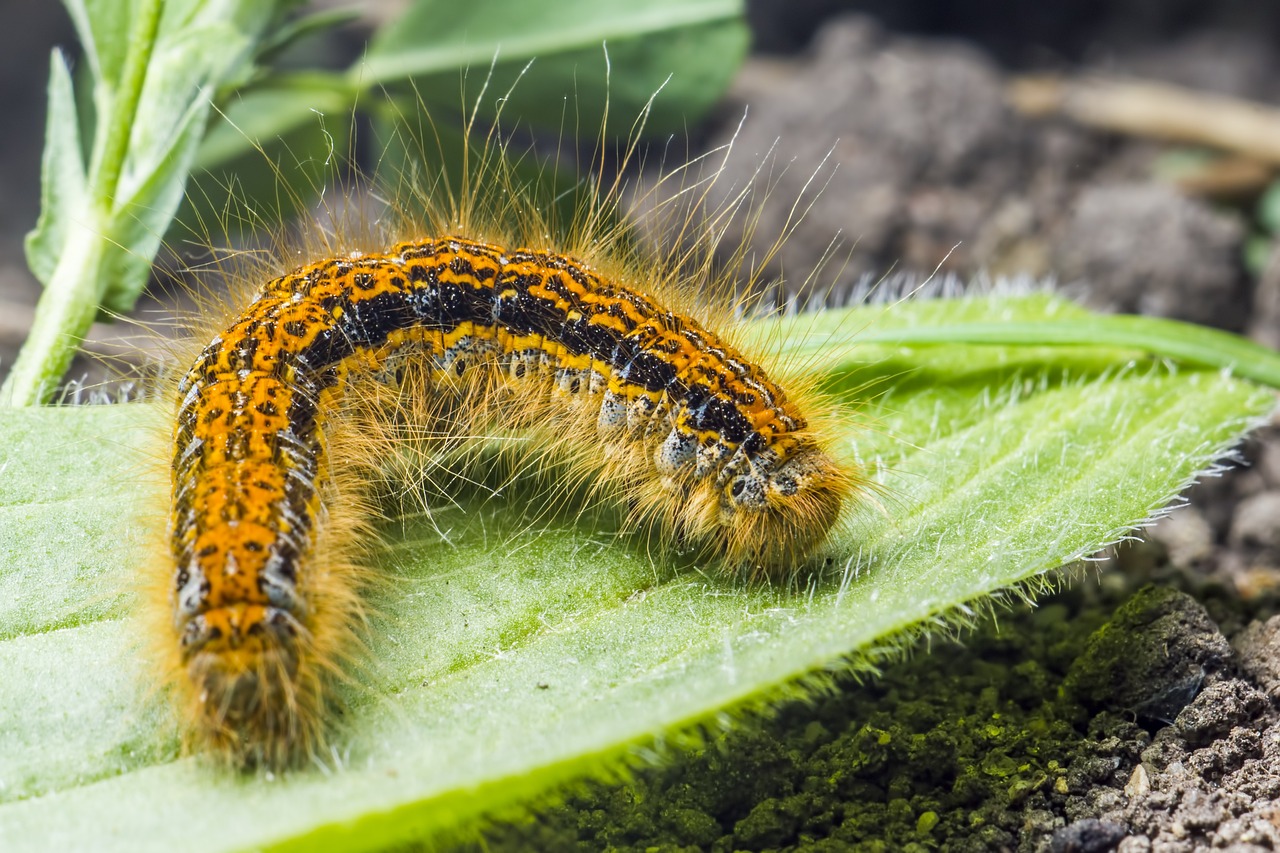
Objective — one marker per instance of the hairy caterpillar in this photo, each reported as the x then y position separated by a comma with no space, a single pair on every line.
643,403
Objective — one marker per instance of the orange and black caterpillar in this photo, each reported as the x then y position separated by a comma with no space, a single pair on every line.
660,411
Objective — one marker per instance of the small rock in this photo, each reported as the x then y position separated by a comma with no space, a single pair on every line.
1256,526
1185,535
1167,748
1226,755
1199,811
1218,709
1264,320
770,824
691,826
1139,783
1246,836
1134,844
1087,836
1254,582
1267,457
1152,658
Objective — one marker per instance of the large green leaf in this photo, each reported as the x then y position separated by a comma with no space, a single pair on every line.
511,654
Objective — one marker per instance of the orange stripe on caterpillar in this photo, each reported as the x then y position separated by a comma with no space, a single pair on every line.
691,435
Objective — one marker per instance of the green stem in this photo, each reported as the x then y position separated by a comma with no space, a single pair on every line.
65,312
1185,342
70,300
104,174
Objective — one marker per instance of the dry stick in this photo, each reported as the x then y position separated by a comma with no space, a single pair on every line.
1228,177
1155,110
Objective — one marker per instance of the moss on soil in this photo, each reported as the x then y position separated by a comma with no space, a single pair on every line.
977,746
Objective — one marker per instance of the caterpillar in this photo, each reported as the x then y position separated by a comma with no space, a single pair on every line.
644,403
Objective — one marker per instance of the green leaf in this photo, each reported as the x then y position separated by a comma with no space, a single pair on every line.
1257,253
62,178
436,59
297,30
513,651
698,45
1187,343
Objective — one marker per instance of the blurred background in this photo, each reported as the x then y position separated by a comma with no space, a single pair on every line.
1008,139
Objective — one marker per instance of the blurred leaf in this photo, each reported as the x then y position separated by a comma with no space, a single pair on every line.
1178,163
1269,209
267,157
1257,253
698,45
292,118
299,29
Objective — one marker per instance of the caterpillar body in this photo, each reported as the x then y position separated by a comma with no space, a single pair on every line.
650,405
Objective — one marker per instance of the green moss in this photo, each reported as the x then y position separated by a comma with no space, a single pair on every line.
962,749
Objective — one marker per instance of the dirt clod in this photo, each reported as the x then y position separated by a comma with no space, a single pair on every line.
1255,530
1190,266
1259,650
1152,658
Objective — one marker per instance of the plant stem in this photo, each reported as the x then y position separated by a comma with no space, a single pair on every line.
104,173
65,311
70,300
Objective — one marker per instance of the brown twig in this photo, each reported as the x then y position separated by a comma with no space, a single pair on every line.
1156,110
1228,178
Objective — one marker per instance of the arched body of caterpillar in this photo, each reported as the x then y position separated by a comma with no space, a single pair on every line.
648,403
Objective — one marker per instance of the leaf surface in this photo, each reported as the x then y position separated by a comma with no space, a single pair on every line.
511,654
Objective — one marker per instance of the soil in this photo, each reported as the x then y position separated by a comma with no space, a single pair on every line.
1136,710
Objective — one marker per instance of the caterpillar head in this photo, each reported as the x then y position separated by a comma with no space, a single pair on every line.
779,507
